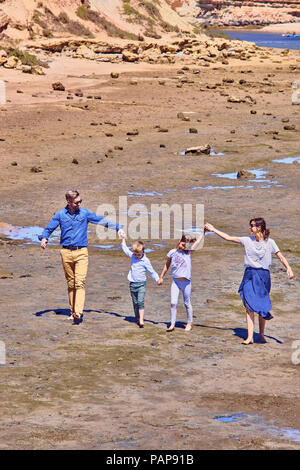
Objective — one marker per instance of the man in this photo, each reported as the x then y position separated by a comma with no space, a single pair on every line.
73,221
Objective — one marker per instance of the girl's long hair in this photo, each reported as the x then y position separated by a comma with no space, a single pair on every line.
260,221
187,239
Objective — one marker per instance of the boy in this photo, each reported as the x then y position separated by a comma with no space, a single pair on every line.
140,264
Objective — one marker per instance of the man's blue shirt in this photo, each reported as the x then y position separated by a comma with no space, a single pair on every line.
74,226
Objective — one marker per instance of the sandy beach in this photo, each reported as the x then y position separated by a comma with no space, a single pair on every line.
283,28
105,383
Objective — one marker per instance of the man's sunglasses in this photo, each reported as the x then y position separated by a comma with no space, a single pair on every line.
78,202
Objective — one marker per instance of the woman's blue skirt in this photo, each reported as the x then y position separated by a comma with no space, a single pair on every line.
254,291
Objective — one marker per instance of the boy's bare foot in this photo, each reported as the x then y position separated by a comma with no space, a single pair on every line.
188,327
171,327
141,325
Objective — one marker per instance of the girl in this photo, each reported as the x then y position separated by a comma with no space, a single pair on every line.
256,283
180,260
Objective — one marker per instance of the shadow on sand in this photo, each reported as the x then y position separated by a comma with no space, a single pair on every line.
239,332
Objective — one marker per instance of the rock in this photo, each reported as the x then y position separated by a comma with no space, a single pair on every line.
250,100
114,75
244,174
58,86
12,62
234,99
36,169
128,56
26,68
202,149
3,60
290,127
6,275
75,161
133,132
85,52
210,301
183,117
192,130
37,70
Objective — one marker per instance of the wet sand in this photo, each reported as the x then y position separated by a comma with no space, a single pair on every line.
106,384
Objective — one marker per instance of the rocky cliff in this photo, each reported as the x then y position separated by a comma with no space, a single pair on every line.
238,12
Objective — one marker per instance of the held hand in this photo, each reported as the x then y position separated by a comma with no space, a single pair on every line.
209,227
160,281
290,273
122,234
44,243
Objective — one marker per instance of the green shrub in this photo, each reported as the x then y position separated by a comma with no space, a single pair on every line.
83,13
63,17
74,27
25,57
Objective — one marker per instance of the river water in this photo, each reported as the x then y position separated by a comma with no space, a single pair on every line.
263,39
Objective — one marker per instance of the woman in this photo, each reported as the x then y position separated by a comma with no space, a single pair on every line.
256,283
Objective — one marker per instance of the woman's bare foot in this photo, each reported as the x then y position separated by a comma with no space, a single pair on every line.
262,339
188,327
171,327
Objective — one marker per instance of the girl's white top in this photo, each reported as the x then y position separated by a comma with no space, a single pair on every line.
139,267
258,254
181,265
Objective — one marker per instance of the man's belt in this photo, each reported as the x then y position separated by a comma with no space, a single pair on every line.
72,247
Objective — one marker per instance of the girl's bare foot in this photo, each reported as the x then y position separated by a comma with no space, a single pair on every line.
188,327
171,327
247,341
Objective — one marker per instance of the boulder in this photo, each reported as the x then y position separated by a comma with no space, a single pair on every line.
85,52
128,56
58,86
202,149
12,62
234,99
244,174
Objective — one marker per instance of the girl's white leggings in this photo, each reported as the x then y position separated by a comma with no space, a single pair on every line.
183,285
